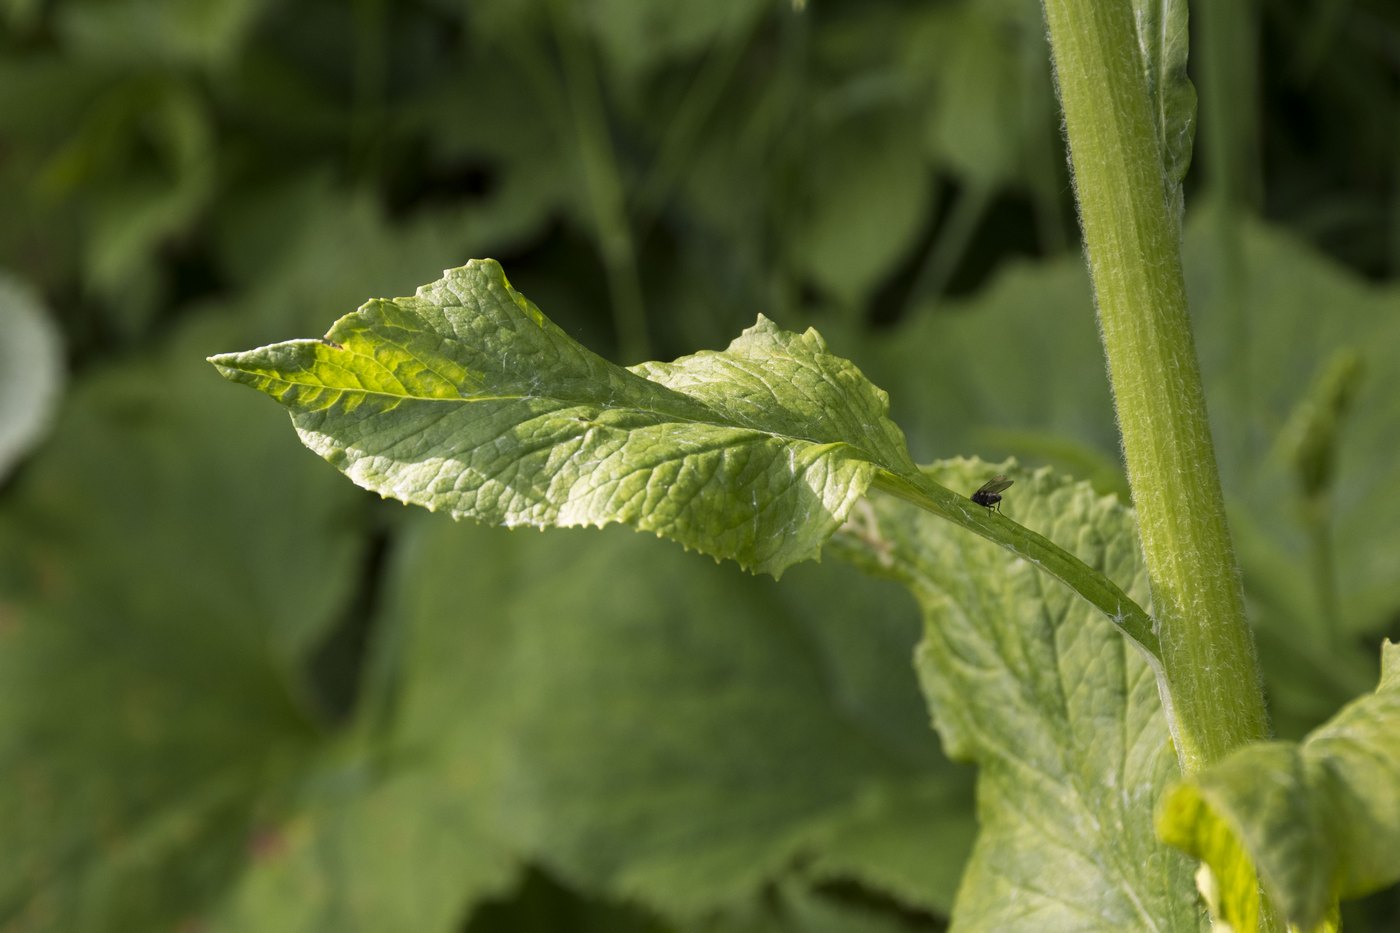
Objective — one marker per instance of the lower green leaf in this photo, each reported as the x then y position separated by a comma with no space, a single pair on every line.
1319,819
1059,711
372,844
159,597
678,736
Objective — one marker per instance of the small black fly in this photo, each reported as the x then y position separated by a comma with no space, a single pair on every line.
989,493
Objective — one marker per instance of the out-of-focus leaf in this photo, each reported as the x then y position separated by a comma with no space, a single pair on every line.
525,173
31,371
866,193
20,15
67,88
1319,819
206,33
1300,310
138,168
466,399
1058,710
373,844
304,249
910,843
677,736
541,903
635,36
110,170
159,595
1021,357
798,910
991,108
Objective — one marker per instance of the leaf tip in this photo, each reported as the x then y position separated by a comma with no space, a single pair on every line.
225,363
1390,660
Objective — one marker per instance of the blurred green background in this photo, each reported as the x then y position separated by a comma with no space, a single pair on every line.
239,693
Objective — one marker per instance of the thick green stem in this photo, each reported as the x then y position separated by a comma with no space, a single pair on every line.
1134,256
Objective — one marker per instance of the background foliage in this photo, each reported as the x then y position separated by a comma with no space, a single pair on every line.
238,693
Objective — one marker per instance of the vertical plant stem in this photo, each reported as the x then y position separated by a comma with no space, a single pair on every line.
1229,58
1134,252
370,103
684,129
1395,200
1318,521
603,182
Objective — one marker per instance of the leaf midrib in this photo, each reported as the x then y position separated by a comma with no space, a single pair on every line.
665,417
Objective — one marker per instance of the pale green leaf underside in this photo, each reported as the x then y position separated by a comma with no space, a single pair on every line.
466,399
1320,819
1060,713
31,371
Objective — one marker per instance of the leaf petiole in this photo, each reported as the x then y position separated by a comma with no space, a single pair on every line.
1130,618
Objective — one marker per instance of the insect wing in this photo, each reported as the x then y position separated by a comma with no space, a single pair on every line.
993,486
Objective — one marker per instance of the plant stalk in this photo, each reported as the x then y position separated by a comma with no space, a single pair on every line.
1130,618
603,184
1134,254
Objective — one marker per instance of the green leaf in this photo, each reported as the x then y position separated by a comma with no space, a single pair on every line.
539,903
158,597
992,102
636,36
1163,39
138,166
372,844
302,246
1261,361
865,193
796,910
207,33
1009,371
910,842
466,399
31,371
1319,819
1059,711
667,731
